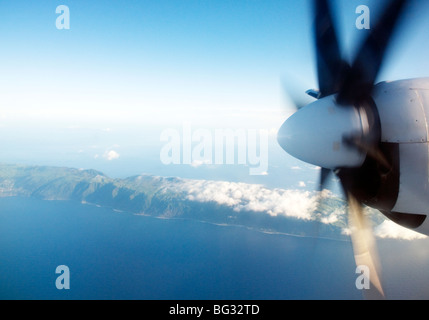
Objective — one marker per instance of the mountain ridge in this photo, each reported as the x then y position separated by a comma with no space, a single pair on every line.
164,197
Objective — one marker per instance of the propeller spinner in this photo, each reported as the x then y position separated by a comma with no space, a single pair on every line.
316,134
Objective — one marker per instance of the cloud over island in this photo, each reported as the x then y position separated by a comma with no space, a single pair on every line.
297,204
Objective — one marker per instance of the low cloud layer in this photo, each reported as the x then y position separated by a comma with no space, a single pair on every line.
253,197
391,230
297,204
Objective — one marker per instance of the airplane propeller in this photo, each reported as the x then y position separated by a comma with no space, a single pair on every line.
341,130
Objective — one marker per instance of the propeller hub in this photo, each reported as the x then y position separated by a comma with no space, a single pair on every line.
316,134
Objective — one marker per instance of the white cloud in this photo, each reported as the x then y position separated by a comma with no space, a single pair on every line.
391,230
302,184
297,204
197,163
333,216
111,155
346,231
253,197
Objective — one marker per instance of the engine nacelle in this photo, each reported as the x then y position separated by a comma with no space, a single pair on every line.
403,193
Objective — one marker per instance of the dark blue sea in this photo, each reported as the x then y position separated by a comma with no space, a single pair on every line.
116,255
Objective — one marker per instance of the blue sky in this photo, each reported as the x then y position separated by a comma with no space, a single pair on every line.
126,70
180,56
183,55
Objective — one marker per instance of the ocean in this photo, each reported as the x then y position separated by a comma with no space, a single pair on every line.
118,255
114,255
